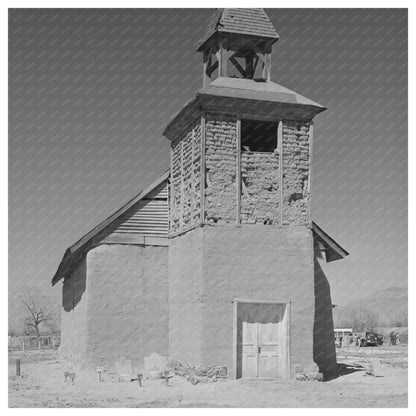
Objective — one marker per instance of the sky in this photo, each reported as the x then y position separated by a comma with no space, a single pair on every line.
90,92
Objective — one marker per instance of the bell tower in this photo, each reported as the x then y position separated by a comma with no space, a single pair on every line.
238,43
241,251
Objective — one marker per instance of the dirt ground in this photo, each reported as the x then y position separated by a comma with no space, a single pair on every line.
42,385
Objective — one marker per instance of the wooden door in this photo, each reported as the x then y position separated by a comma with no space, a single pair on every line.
249,350
263,340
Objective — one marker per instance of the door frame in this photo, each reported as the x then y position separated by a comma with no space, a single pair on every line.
288,304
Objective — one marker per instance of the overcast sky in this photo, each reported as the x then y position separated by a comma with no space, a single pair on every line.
90,92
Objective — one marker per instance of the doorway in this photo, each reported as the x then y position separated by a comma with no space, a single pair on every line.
262,339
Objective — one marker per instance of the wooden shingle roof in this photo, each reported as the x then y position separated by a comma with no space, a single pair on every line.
252,22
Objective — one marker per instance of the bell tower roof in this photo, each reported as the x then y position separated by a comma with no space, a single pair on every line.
250,22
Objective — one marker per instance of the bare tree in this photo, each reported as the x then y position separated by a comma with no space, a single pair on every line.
38,310
364,320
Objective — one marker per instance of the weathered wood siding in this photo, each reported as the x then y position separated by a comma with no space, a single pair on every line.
148,218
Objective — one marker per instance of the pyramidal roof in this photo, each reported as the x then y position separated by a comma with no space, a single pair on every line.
255,90
253,22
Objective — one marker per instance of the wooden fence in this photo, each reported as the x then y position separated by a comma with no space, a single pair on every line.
44,342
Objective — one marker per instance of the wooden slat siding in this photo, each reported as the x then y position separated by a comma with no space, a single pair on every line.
149,217
160,192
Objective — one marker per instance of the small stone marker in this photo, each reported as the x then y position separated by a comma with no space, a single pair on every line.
100,374
376,367
72,377
124,369
369,370
155,362
166,376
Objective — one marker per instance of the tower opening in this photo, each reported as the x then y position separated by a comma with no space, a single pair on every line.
258,136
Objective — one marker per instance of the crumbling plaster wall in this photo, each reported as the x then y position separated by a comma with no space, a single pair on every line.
260,195
221,169
296,165
127,303
186,179
74,316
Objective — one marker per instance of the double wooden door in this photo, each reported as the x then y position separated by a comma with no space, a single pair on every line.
264,340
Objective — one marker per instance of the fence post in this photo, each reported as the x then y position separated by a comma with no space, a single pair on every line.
18,367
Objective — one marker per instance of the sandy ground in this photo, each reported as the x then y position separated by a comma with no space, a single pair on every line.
42,385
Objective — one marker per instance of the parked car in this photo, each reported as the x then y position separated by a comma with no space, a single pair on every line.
372,339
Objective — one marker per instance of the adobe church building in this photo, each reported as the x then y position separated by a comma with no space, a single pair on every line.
217,262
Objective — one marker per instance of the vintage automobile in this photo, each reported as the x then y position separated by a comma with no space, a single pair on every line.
372,339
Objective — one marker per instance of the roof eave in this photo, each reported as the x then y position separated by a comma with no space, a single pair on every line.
336,252
199,103
75,253
202,44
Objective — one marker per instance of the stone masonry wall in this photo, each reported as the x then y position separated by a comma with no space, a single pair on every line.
296,172
260,194
221,168
185,180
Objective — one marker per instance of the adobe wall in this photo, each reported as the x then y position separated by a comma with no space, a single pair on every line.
185,180
323,334
127,303
296,165
186,294
209,267
221,169
259,263
260,173
74,316
260,193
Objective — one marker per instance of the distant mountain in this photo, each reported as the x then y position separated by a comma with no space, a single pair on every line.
390,305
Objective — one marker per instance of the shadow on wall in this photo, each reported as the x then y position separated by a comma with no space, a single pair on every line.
74,286
324,353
